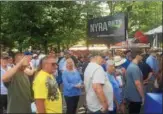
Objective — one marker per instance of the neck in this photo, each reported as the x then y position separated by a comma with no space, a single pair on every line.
45,70
98,63
153,55
109,72
135,61
70,69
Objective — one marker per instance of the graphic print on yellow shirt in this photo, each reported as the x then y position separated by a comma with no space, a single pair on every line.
45,87
52,89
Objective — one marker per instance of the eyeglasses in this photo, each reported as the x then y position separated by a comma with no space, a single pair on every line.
54,64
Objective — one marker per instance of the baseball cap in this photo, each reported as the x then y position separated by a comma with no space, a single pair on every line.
119,60
34,55
110,62
27,53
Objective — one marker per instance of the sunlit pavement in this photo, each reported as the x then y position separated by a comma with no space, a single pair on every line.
81,104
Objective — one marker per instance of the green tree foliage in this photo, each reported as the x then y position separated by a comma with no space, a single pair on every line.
143,15
60,24
43,24
18,22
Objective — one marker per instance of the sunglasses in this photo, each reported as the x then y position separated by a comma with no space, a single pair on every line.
54,64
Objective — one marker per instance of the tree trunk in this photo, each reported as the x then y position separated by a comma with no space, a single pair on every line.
20,46
58,46
45,44
67,46
63,47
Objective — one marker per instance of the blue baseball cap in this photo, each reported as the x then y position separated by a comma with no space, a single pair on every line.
27,53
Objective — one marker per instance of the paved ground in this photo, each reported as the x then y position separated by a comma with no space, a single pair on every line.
81,109
82,102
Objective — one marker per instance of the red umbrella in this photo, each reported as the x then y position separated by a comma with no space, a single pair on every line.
141,37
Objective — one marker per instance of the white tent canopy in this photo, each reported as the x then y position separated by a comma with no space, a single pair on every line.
155,30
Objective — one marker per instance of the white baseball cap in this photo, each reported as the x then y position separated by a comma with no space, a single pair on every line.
118,60
35,55
110,62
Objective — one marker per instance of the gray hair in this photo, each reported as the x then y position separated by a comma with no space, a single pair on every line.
109,63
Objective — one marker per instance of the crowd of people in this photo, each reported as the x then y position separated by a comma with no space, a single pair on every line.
111,83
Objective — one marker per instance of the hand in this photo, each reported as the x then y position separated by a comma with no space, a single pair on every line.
82,86
120,86
24,61
122,108
145,82
117,108
103,110
123,70
117,73
143,101
78,85
124,101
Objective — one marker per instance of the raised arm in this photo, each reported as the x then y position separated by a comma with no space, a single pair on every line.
10,73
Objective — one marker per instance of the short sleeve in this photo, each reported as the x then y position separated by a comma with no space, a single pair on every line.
99,76
40,89
136,74
150,63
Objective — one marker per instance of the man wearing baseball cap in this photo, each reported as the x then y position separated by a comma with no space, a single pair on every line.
18,85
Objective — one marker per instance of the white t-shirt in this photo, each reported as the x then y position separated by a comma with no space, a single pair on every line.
3,88
99,76
9,66
35,63
119,79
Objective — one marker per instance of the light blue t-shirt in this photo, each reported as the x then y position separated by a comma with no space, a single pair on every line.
153,63
35,63
116,88
62,64
70,79
133,73
3,88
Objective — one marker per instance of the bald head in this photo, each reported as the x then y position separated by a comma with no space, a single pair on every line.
48,59
99,60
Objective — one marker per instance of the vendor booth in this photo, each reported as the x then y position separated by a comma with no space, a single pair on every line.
155,37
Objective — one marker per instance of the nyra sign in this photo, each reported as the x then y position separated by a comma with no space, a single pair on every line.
104,26
107,27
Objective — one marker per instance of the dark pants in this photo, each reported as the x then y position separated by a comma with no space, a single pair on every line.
59,78
113,112
3,103
134,107
72,104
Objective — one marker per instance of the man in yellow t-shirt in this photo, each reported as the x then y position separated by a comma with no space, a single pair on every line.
46,93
